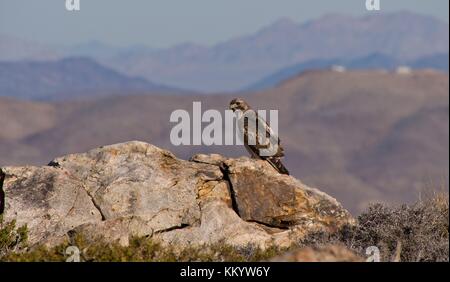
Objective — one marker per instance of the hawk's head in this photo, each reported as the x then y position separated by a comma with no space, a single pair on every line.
239,104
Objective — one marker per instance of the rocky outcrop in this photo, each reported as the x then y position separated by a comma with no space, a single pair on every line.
137,189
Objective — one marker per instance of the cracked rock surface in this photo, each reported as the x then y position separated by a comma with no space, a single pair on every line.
137,189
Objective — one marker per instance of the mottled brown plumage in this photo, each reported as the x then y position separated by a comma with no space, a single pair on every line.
274,160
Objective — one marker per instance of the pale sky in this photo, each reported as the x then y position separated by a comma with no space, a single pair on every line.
163,23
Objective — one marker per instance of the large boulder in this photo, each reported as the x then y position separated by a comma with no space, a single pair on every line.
262,195
137,189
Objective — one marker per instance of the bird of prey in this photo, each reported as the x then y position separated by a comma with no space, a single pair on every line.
264,133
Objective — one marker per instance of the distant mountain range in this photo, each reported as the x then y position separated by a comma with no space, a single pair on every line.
239,62
373,61
69,78
252,61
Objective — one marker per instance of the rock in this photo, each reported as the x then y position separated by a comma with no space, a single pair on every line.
219,223
327,253
49,201
137,189
214,159
262,195
114,230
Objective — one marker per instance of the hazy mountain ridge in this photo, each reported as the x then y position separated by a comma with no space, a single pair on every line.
244,61
372,61
68,78
239,62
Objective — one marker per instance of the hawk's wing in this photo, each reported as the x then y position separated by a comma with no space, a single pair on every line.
271,138
265,137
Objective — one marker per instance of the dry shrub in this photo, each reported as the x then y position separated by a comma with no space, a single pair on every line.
417,232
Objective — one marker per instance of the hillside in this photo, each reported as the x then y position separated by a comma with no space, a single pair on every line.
51,80
361,136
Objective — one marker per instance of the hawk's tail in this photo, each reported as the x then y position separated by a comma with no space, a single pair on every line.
278,165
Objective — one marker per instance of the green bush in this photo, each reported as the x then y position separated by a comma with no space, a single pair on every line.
144,249
12,239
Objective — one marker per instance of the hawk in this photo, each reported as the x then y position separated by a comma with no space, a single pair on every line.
252,133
